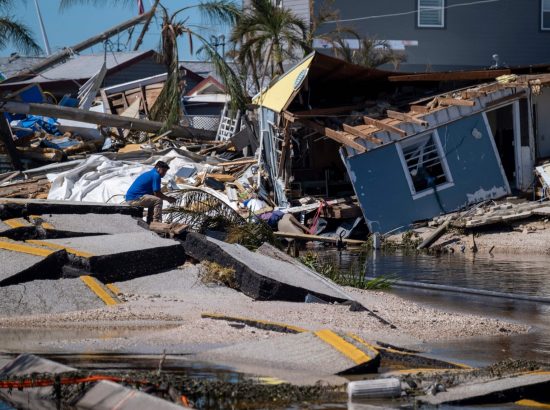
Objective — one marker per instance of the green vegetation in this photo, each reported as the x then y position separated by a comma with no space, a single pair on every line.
215,274
354,277
14,32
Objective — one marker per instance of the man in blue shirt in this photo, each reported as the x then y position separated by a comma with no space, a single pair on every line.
145,192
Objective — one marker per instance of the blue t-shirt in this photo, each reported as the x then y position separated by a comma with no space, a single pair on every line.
146,184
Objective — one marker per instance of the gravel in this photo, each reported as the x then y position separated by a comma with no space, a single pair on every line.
178,297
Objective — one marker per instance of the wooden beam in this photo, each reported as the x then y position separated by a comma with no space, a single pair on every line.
332,134
318,238
237,162
455,101
405,117
358,133
107,120
451,76
384,126
7,138
419,109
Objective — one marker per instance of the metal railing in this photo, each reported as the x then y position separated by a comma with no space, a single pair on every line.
201,122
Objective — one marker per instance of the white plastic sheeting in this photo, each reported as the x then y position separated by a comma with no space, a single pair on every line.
100,179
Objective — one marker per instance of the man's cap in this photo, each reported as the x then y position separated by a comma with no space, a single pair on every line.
162,164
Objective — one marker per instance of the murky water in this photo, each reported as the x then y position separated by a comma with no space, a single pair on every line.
515,274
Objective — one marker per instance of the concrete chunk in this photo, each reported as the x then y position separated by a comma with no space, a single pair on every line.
91,223
323,353
495,391
107,395
120,256
47,296
18,267
262,277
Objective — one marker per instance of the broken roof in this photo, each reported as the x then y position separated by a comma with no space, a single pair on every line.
321,71
86,66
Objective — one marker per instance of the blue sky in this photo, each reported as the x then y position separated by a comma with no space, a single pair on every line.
70,26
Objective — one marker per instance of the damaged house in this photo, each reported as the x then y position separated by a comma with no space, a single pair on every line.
412,148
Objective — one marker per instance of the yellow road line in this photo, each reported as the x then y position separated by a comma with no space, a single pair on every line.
97,288
16,223
113,288
390,350
370,347
342,346
48,226
55,246
533,404
22,248
253,322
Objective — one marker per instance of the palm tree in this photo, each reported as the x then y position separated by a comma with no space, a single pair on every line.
173,26
167,106
371,53
14,32
266,35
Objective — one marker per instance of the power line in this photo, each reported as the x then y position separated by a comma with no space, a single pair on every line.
405,13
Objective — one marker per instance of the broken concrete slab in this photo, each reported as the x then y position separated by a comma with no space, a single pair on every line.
323,353
90,223
17,233
63,295
15,208
107,395
504,390
259,276
119,256
24,262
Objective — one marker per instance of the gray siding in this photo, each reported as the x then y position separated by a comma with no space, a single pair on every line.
472,34
300,7
147,67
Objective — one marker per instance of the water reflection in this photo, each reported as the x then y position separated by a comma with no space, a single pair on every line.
516,274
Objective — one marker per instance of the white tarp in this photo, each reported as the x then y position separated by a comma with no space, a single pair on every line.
100,179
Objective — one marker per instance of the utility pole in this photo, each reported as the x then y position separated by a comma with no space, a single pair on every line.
65,53
43,30
146,25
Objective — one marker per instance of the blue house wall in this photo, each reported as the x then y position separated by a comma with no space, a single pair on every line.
383,190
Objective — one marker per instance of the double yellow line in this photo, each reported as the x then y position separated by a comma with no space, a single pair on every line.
102,291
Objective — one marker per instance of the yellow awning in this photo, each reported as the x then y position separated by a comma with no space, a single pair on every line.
278,96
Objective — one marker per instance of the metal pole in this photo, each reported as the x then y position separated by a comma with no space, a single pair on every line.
43,29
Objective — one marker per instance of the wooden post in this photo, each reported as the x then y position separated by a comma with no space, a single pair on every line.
7,139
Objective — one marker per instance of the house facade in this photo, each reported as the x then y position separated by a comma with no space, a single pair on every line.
444,35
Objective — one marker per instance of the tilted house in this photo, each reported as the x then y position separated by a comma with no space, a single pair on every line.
410,159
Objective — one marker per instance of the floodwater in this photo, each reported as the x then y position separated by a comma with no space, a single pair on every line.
514,274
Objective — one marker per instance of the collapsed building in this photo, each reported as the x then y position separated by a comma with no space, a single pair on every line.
411,147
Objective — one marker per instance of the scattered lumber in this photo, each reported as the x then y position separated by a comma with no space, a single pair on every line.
384,126
108,120
455,101
405,117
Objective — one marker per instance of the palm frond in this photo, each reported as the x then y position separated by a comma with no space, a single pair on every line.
65,4
18,34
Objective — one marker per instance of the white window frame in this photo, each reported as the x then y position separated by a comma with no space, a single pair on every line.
542,11
440,152
441,8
